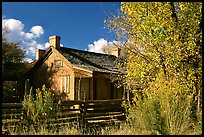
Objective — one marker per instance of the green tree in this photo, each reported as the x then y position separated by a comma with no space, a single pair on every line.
11,52
12,56
161,37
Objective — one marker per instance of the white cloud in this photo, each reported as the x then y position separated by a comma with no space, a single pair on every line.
27,40
13,24
101,45
98,46
29,35
14,36
27,60
47,44
31,50
40,46
37,30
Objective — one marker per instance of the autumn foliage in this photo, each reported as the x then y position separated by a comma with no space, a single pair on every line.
164,44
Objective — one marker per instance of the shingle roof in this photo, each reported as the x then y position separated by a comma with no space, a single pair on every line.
90,60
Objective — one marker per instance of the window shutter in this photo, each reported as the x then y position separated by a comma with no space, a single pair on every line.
68,84
65,84
61,84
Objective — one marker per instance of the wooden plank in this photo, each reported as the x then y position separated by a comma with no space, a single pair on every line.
104,106
103,114
70,106
97,110
103,101
105,117
108,109
63,115
11,111
68,110
12,105
103,122
98,103
71,102
14,116
11,122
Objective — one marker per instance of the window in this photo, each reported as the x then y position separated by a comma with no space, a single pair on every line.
58,63
64,84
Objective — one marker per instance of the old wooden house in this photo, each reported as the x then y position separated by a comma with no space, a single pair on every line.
75,74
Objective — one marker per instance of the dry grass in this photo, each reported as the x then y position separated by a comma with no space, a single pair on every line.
123,129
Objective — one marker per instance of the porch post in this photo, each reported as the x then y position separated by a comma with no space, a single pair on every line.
91,88
79,89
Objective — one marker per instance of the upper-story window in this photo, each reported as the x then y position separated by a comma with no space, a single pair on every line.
58,63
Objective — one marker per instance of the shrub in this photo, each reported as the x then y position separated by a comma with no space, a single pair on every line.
40,110
165,108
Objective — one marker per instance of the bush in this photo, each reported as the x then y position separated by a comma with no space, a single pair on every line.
165,108
38,111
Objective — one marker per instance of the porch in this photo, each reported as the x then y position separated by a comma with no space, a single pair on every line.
98,87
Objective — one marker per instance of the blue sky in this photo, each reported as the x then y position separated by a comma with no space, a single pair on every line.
79,24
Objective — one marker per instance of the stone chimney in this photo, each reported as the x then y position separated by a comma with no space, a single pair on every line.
55,41
113,51
39,53
116,51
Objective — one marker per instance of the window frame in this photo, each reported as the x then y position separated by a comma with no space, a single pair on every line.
58,63
65,84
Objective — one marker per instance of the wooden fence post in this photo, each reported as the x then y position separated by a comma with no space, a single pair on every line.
82,118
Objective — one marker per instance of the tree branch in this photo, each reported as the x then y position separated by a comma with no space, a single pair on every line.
174,16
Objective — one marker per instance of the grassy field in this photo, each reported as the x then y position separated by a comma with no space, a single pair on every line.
122,129
74,130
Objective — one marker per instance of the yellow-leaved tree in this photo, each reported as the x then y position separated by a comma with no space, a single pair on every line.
164,44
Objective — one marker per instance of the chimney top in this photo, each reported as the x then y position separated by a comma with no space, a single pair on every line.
39,53
55,41
113,51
